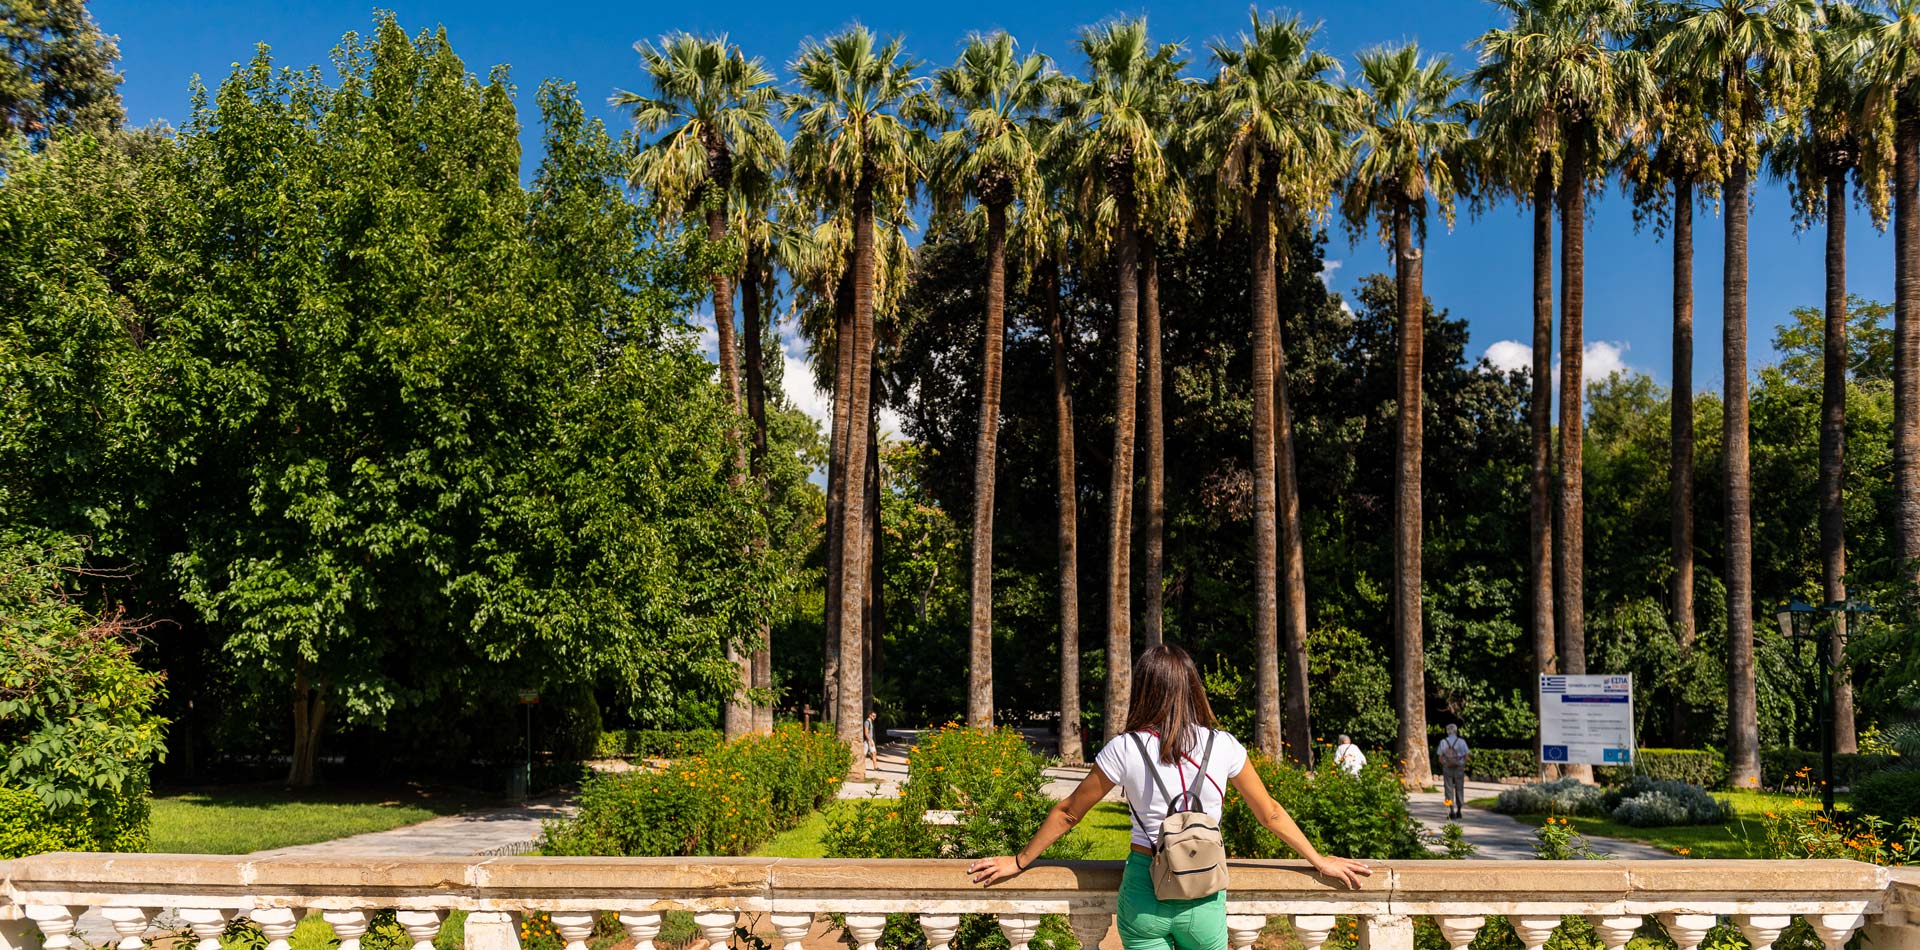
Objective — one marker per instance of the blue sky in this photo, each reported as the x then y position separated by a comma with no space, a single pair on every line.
1480,270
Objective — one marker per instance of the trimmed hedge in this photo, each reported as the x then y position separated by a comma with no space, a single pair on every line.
1492,765
656,743
27,826
727,801
1706,768
1358,816
1781,767
1891,795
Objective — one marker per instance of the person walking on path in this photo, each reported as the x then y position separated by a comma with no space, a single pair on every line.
1348,756
1168,723
1452,754
866,736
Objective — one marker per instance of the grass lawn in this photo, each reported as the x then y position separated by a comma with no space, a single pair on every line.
1699,841
1105,827
236,820
804,839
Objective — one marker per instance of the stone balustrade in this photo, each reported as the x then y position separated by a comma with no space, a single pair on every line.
43,897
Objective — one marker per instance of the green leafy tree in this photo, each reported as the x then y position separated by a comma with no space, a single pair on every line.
57,70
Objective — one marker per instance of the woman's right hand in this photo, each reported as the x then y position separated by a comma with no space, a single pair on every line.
1345,870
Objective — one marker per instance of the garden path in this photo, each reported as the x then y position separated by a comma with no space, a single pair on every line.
1501,837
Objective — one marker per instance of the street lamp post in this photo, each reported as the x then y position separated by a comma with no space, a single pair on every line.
1823,708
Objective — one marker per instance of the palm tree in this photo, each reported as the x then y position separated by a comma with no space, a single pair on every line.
1413,129
992,155
709,106
1518,140
1888,50
756,188
1762,53
1814,153
854,150
1672,151
1273,126
1112,145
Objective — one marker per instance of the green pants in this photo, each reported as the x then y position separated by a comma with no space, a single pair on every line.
1149,923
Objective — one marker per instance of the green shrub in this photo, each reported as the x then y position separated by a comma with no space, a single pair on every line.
1559,797
1492,765
1891,795
28,826
656,743
567,723
991,778
1783,767
1706,768
1359,816
727,801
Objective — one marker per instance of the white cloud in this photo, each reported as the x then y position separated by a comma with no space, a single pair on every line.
1599,359
1328,267
796,379
1603,359
1510,356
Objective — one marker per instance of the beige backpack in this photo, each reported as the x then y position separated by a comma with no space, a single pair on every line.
1190,859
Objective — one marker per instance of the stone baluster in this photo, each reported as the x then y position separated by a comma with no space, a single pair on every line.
351,925
866,929
1761,930
130,923
1313,929
1836,929
1090,927
421,926
1687,930
1614,932
208,923
576,927
1019,929
1460,931
717,926
484,930
16,931
1386,932
939,929
1244,929
1533,931
56,924
643,926
278,923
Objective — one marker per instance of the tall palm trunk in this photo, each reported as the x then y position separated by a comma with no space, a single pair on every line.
761,661
1681,424
1120,490
853,536
1153,585
1298,722
1906,344
1266,604
874,611
1570,566
1743,730
837,486
1410,685
1540,425
1833,439
980,643
736,713
1068,534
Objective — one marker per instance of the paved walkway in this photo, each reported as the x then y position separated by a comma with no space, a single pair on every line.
512,829
1501,837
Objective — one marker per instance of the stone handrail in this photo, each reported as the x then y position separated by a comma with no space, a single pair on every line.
43,897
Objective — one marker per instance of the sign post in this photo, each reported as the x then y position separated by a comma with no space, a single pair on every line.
1586,719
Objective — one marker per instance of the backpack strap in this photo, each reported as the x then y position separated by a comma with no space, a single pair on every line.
1152,770
1192,793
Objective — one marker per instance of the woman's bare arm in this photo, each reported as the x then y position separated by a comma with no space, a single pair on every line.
1274,818
1060,820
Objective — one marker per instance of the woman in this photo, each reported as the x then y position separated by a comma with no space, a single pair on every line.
1170,715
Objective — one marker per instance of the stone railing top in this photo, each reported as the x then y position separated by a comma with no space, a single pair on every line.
786,884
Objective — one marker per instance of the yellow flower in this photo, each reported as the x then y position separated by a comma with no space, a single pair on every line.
1683,852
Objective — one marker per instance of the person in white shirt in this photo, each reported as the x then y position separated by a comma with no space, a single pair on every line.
1169,715
1452,754
1348,756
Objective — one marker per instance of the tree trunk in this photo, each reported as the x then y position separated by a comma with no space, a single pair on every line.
985,456
1681,408
1906,345
837,488
853,537
875,608
1120,489
309,717
1297,724
1743,729
1152,584
736,713
1266,604
1570,566
1540,430
1833,438
1410,683
1068,533
753,319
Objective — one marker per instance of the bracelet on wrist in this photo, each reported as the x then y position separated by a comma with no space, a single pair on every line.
1017,864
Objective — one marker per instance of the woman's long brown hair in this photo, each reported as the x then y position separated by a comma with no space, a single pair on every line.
1168,698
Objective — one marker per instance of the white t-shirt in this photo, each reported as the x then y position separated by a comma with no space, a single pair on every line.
1350,758
1120,760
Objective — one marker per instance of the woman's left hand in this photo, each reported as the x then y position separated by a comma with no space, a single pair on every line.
992,870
